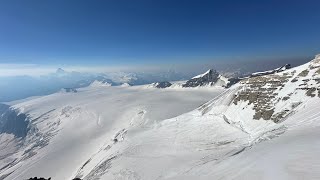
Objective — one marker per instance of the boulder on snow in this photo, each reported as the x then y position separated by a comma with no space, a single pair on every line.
40,178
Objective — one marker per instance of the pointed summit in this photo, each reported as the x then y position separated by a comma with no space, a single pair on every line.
60,71
210,71
277,70
210,78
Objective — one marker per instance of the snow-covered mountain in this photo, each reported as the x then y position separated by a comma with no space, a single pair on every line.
97,83
142,78
264,127
213,78
210,78
279,69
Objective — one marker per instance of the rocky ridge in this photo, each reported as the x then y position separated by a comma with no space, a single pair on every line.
276,96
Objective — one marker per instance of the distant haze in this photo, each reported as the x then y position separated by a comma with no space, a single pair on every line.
21,81
188,68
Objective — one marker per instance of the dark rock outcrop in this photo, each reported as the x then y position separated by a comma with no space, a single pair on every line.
208,78
163,84
40,178
232,81
260,91
264,92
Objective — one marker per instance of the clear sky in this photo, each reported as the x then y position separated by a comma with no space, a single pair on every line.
124,32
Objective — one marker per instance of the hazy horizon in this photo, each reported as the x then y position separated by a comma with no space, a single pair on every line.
9,70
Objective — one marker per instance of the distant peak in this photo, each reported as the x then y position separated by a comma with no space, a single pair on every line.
60,70
283,68
201,75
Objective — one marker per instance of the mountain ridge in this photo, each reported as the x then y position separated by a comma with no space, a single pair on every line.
195,143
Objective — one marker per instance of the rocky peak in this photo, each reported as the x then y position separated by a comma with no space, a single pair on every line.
210,74
277,70
208,78
275,96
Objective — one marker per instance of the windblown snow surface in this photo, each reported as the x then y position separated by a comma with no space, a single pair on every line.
69,128
137,133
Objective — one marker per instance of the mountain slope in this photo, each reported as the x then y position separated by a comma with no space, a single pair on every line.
225,135
251,130
66,129
209,78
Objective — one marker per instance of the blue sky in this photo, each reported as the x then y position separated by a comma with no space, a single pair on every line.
127,32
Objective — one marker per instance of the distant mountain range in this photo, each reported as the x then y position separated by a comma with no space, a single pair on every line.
19,87
212,78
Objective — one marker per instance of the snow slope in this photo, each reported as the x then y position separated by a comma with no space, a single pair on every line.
264,127
68,128
222,139
293,155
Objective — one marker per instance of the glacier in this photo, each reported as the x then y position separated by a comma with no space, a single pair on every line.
263,127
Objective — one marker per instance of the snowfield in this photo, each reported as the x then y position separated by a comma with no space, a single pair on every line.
76,125
264,128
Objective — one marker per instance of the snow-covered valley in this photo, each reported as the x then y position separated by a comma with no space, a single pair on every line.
264,127
70,127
